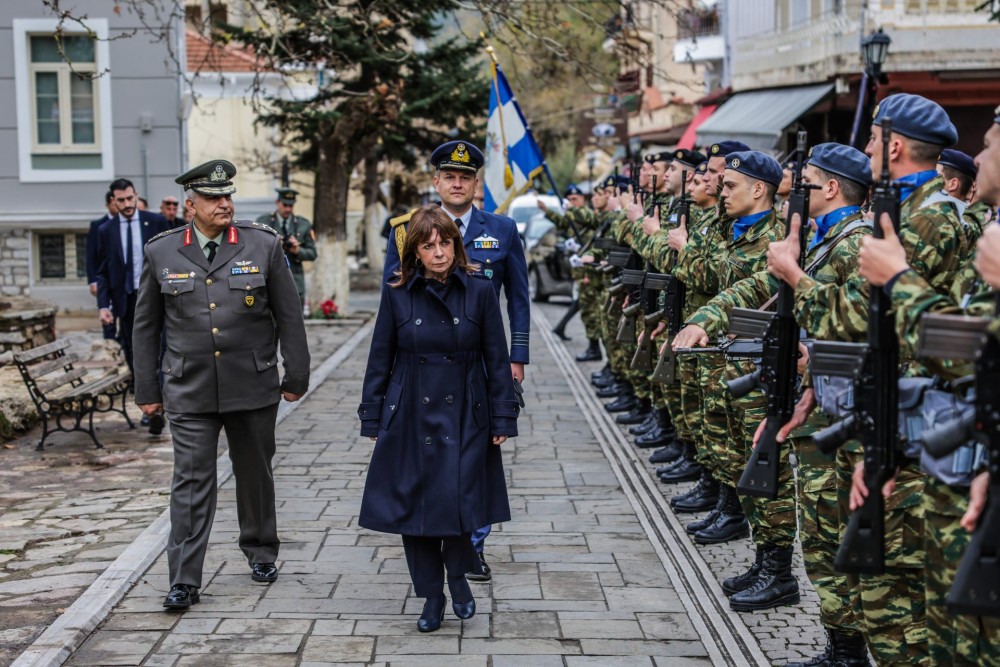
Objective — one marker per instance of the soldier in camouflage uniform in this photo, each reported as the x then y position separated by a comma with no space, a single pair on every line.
959,173
828,305
953,639
977,215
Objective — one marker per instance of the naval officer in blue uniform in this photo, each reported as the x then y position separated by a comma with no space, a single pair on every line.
492,242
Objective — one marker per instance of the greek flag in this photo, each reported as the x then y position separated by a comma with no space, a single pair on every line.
513,159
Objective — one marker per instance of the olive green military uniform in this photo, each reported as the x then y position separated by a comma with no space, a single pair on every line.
975,218
301,229
586,221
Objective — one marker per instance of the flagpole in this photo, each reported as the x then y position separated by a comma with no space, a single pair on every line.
496,66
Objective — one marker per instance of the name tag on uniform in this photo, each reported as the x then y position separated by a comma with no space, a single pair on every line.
485,242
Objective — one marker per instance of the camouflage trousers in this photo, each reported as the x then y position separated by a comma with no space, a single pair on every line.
714,446
616,351
952,639
690,400
639,379
591,300
819,533
771,521
893,603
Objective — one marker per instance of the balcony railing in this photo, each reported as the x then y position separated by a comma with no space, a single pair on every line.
947,6
692,23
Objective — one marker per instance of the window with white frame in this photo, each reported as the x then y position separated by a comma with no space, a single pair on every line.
63,101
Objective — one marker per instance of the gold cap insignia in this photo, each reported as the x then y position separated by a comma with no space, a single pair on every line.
460,154
679,154
219,175
735,164
715,148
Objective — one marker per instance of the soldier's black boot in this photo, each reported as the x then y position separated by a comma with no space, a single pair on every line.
730,524
647,425
703,496
687,470
659,436
849,650
710,518
626,400
741,582
613,390
592,353
684,459
602,375
638,414
775,585
667,454
824,659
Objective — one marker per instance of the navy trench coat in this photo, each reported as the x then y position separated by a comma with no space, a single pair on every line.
437,388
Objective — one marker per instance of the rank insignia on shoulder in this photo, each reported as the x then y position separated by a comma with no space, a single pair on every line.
485,242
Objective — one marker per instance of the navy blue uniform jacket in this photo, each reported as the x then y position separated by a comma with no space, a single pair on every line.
492,242
93,248
111,273
437,388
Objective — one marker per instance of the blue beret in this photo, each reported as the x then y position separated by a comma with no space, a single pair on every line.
658,157
843,161
756,165
572,190
702,168
688,158
724,148
460,155
622,183
918,118
958,160
790,165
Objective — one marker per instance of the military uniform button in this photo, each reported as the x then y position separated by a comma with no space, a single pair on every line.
218,354
427,441
455,321
423,360
208,282
175,290
449,399
215,330
489,261
211,306
419,322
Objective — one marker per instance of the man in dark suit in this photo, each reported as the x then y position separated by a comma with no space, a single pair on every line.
94,254
121,241
492,242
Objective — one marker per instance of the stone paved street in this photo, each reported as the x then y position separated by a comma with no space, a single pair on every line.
593,569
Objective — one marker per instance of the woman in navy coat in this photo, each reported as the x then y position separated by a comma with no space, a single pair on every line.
438,399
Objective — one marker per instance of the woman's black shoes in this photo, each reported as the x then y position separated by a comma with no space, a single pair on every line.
464,610
460,590
433,614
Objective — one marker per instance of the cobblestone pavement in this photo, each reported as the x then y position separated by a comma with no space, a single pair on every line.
70,511
588,572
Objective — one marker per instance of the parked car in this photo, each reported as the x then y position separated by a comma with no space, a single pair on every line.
525,206
548,262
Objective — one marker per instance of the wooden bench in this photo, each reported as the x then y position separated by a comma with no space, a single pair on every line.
61,392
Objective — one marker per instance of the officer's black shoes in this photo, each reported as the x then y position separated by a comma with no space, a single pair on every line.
702,524
842,650
704,496
638,414
667,454
484,573
686,471
181,596
459,588
730,523
741,582
626,401
775,585
144,421
265,572
592,353
662,434
613,390
432,615
156,423
645,426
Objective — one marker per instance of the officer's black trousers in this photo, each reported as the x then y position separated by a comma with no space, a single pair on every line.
427,558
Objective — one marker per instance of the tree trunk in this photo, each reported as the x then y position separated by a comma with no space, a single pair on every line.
374,213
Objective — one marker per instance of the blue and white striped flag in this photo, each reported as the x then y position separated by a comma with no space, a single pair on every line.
513,159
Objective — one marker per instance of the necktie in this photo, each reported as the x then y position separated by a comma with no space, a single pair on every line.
211,245
129,261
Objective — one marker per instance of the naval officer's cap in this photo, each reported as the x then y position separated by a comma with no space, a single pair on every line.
213,178
458,155
758,166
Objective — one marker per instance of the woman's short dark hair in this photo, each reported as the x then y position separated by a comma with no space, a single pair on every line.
421,227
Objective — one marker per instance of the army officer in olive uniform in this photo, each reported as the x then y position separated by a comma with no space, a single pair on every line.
222,292
297,236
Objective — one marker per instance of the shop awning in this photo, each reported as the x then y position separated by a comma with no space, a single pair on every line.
758,118
688,139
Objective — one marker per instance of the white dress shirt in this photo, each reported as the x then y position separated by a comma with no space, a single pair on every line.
462,221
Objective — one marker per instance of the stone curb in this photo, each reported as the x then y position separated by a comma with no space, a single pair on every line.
61,639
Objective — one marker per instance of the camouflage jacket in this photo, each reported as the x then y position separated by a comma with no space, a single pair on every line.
584,218
932,233
738,259
974,221
698,261
828,304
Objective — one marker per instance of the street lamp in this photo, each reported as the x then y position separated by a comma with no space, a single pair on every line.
874,51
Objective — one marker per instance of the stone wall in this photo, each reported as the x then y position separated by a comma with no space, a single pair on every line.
15,270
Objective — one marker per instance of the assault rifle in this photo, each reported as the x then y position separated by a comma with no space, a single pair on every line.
632,280
778,374
642,360
873,369
618,258
977,583
675,295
